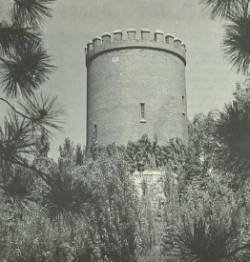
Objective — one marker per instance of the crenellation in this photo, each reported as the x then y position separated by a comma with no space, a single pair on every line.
117,35
177,42
89,46
122,68
97,41
106,38
118,40
131,34
159,36
145,34
183,45
169,39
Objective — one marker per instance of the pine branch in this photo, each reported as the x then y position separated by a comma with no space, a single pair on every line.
11,36
25,70
41,174
31,12
14,109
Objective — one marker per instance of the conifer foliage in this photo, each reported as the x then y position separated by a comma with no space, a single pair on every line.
24,66
237,37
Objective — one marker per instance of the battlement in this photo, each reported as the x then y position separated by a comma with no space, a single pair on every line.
145,39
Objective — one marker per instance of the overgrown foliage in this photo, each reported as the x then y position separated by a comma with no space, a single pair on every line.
84,207
91,208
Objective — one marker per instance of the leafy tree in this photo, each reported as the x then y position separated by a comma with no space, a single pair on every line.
84,213
112,217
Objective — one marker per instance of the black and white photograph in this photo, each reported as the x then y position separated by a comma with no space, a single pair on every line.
124,130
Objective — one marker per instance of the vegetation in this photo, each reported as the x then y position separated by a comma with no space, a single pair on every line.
89,210
24,66
85,207
237,38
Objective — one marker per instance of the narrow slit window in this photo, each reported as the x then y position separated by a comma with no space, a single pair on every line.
142,110
95,132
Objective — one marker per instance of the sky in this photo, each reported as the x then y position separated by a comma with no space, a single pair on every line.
210,79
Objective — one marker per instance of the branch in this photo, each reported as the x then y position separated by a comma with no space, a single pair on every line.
14,109
3,60
234,252
41,174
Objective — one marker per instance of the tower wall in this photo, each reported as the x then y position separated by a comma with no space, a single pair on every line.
125,71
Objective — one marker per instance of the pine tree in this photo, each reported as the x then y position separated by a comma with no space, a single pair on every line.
24,67
237,37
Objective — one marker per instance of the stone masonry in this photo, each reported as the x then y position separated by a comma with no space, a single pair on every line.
136,86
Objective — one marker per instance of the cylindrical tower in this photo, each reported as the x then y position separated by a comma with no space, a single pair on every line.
136,86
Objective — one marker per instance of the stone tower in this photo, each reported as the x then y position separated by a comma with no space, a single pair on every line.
136,86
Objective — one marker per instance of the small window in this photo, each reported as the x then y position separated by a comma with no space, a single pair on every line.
142,113
142,110
182,97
